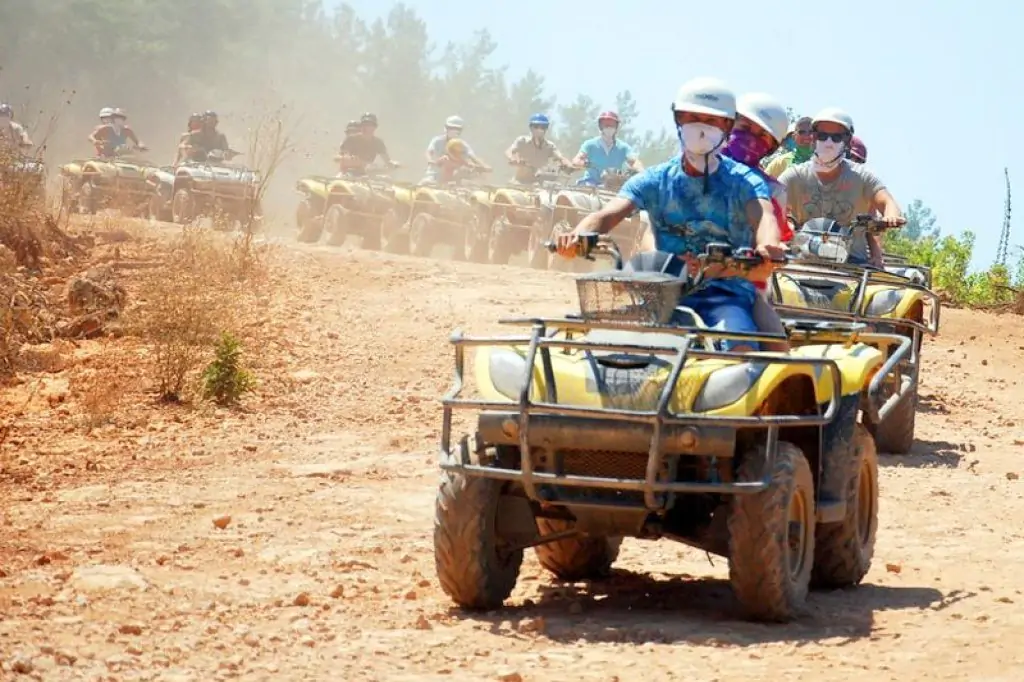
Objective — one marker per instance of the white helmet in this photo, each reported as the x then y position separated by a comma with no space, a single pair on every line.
708,96
453,122
119,112
765,111
834,115
106,112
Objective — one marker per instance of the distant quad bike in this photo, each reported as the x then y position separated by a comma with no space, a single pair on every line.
22,179
346,205
824,284
573,203
517,219
119,182
213,188
627,420
428,215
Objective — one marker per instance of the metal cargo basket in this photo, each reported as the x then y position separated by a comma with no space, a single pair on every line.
645,298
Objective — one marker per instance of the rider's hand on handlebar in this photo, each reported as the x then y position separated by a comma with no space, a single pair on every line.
568,244
772,252
896,221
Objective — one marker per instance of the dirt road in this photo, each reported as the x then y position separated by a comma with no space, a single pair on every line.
113,567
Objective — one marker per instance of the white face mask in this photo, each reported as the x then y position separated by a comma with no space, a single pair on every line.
699,140
608,133
828,154
452,134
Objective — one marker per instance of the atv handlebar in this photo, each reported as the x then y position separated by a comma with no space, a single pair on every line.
591,243
871,224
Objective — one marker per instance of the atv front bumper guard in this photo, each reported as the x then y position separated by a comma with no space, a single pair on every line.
862,277
686,431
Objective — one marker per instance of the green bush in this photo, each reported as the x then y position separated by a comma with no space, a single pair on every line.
949,258
224,379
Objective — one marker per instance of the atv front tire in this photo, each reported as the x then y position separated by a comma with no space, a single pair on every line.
843,550
309,221
895,435
771,536
473,566
478,235
183,207
422,235
394,238
336,224
576,558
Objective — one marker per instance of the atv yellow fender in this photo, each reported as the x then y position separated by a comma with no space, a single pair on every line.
314,185
499,371
513,197
445,199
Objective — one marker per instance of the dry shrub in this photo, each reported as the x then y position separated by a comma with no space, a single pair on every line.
202,290
99,398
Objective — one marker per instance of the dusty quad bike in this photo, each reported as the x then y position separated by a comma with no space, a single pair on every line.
119,181
626,420
573,203
22,179
517,219
348,204
429,215
213,188
823,283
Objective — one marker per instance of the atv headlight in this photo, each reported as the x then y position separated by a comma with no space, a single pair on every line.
884,302
507,369
727,385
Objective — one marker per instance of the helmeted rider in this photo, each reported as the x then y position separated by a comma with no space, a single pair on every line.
195,123
529,153
830,186
858,152
207,139
605,152
13,137
348,162
801,147
363,148
438,157
113,133
695,199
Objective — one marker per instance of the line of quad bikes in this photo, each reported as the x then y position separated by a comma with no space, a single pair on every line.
626,418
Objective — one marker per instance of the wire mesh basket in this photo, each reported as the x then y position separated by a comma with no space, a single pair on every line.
646,298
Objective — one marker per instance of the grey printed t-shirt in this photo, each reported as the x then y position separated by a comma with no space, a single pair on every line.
533,155
850,194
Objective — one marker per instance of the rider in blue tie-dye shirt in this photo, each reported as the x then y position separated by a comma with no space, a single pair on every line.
700,198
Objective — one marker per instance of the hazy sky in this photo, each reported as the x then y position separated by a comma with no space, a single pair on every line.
933,87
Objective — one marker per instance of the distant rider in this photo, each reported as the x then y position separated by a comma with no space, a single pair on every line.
348,163
802,143
529,153
207,139
457,156
195,123
438,153
831,186
695,199
113,134
364,147
605,152
13,137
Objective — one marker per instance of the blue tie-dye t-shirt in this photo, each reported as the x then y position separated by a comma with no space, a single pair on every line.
685,219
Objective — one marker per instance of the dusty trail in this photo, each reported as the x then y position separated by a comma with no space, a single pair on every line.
325,569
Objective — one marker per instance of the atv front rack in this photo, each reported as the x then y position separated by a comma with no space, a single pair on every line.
690,434
855,312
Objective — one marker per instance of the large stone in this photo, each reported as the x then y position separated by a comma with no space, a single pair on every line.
105,577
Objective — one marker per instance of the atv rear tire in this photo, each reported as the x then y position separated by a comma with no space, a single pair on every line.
769,575
577,558
395,240
422,235
478,235
472,566
537,255
309,221
895,435
158,209
843,550
336,224
501,245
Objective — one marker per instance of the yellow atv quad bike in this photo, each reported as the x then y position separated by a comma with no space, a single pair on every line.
436,214
573,203
214,188
351,204
517,219
627,420
118,181
823,282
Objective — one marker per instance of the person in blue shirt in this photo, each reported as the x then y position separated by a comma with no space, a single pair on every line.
605,152
698,198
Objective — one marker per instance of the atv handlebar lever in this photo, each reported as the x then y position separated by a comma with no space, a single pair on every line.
591,243
871,223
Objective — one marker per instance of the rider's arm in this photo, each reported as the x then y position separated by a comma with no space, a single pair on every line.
605,220
130,134
94,136
761,216
513,150
581,155
557,155
432,153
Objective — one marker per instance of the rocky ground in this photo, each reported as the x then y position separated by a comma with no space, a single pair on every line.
290,539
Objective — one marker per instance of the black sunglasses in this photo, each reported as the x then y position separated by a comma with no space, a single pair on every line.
804,131
821,136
